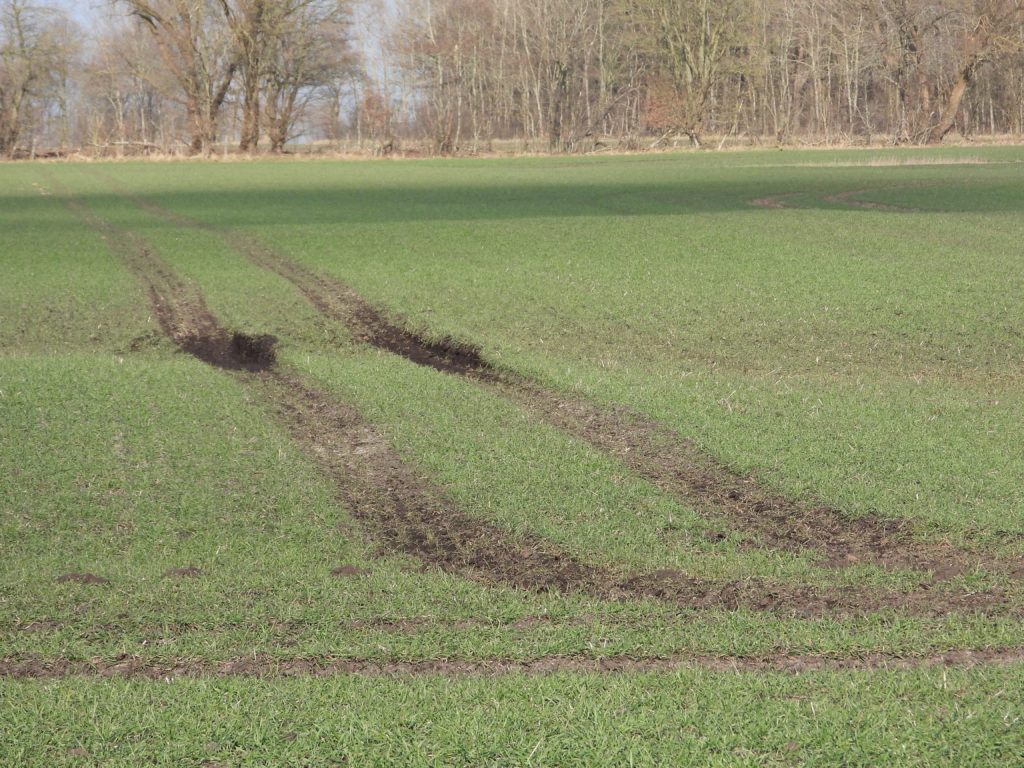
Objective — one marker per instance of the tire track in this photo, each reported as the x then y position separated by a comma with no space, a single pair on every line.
265,666
672,464
411,516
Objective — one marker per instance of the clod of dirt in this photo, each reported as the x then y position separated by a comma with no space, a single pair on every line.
233,351
77,752
349,570
82,578
179,573
255,351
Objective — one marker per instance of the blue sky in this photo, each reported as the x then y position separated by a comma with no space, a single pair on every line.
83,11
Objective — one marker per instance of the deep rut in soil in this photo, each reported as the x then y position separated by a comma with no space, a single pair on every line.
271,667
651,451
412,517
674,465
724,497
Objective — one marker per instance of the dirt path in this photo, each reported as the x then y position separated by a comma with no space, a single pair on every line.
267,667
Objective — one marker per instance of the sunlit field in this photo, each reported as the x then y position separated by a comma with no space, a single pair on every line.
708,459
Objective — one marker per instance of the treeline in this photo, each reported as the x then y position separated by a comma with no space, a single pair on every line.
568,75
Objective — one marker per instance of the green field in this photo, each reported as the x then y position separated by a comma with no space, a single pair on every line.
689,459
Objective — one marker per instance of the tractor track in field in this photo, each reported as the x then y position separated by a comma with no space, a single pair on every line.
781,201
408,515
266,666
671,463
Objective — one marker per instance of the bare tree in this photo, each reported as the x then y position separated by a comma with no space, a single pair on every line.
196,46
984,32
35,49
272,37
308,50
688,42
122,106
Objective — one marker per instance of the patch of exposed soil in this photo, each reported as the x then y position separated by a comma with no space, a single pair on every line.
410,516
270,667
648,449
405,511
82,578
178,306
233,350
366,324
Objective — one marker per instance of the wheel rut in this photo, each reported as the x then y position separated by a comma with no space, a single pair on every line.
673,464
409,515
264,666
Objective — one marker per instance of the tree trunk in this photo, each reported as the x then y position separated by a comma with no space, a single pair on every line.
955,99
250,116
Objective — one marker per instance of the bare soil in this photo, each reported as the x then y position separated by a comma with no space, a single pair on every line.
21,668
407,514
671,463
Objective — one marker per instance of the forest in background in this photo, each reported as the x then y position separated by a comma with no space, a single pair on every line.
463,76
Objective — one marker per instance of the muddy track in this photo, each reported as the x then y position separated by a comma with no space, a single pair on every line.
781,201
178,306
405,512
674,465
267,667
410,516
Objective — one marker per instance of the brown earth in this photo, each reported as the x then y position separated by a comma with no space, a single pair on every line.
653,452
409,515
21,668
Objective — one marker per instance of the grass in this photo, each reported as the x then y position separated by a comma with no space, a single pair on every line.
687,717
868,359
